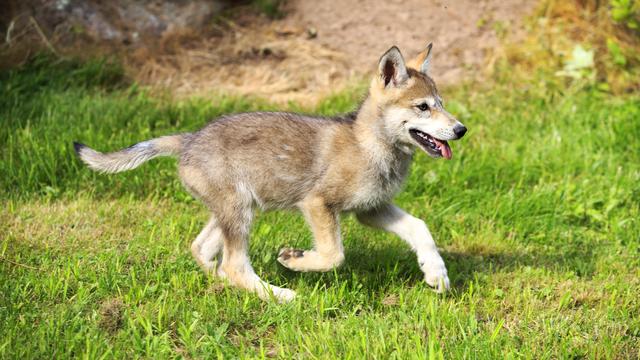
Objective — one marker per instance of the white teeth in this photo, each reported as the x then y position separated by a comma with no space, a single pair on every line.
430,140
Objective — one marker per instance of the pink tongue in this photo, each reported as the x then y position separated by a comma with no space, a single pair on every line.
445,150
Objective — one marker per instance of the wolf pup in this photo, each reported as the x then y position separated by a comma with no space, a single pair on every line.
320,165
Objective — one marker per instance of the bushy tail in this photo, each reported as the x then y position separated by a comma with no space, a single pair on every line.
131,157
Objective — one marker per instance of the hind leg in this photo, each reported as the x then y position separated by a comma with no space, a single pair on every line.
207,246
238,270
234,218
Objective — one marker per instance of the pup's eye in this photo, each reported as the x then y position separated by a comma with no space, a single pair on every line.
423,107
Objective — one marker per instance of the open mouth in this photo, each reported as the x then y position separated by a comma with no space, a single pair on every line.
433,146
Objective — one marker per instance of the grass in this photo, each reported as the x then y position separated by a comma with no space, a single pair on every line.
537,217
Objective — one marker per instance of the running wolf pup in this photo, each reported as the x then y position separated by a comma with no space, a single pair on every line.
322,166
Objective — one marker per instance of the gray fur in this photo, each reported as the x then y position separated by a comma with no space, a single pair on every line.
279,157
131,157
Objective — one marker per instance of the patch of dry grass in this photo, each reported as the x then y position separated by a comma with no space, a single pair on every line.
76,224
261,59
243,53
111,315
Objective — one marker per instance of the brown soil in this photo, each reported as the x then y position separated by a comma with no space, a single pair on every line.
462,31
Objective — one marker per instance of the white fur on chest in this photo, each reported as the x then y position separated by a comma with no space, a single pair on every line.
371,195
379,184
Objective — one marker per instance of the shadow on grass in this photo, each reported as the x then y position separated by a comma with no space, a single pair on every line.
378,269
463,266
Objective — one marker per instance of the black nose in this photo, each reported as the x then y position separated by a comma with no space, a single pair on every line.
459,130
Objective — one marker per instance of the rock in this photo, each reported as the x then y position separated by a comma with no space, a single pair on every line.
312,33
124,21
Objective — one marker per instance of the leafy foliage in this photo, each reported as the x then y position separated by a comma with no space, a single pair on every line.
563,32
626,12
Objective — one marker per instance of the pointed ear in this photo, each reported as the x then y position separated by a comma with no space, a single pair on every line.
422,61
392,69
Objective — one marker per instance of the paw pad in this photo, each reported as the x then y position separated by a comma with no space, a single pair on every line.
286,254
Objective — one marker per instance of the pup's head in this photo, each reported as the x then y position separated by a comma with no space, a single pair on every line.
412,110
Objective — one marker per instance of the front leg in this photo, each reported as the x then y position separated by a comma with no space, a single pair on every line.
327,253
415,232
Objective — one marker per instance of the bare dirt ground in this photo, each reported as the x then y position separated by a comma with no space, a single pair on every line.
462,30
320,46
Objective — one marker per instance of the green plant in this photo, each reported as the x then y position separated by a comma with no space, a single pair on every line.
626,12
271,8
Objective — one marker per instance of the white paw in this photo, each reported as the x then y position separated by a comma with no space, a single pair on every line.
283,295
210,266
435,273
220,273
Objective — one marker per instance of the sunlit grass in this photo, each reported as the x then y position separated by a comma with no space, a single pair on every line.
537,217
